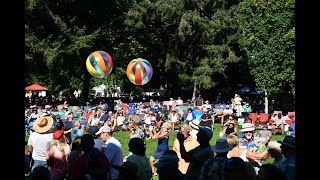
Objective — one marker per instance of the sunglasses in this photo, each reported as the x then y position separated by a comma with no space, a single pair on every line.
249,132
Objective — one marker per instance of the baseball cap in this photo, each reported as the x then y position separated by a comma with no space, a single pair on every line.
104,129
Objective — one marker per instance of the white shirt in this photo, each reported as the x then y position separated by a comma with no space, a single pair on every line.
208,106
179,102
120,120
40,144
113,152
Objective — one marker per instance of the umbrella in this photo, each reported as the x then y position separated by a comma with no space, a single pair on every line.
35,87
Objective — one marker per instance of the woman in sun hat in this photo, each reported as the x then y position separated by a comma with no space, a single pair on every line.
39,141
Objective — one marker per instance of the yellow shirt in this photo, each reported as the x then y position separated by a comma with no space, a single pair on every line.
189,144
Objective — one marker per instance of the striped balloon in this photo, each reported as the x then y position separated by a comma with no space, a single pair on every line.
139,71
99,64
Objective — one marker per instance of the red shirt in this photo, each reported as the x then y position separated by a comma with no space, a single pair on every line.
86,117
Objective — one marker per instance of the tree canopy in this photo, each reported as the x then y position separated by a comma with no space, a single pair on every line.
194,45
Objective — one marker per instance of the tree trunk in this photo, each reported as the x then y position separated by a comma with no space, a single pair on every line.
266,102
86,86
194,91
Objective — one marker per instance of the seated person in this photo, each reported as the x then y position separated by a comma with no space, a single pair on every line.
218,113
278,124
292,127
206,119
227,112
257,124
264,134
229,129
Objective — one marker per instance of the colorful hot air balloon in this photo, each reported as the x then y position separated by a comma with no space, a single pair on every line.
99,64
139,71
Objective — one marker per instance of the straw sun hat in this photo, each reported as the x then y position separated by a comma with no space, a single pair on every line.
43,124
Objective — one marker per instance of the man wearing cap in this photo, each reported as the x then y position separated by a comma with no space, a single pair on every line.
207,105
288,147
39,141
247,141
112,150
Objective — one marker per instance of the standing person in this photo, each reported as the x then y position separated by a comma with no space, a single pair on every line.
274,148
69,126
189,144
163,144
238,102
197,156
39,141
288,147
139,158
58,155
198,101
167,166
112,150
219,99
98,143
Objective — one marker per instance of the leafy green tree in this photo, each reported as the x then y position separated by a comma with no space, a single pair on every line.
268,28
53,45
194,38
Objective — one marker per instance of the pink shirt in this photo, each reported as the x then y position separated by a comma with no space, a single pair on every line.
58,167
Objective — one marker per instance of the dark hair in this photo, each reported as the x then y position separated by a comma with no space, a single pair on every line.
87,143
270,171
136,146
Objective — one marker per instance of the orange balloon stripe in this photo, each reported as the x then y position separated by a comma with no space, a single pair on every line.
100,61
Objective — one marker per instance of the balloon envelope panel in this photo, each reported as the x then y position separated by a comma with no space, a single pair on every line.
139,71
99,64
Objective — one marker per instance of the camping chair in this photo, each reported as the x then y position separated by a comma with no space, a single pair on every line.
264,118
254,117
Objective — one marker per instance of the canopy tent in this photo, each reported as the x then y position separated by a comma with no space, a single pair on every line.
35,87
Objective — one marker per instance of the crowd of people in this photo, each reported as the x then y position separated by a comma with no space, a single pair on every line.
78,143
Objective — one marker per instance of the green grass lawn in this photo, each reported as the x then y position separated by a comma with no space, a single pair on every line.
124,138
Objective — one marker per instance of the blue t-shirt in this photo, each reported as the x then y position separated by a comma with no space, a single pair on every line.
69,125
105,117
